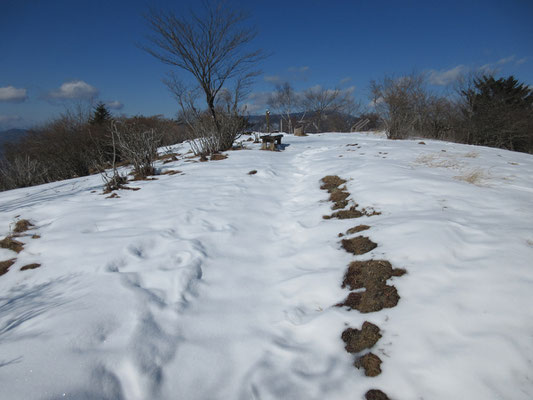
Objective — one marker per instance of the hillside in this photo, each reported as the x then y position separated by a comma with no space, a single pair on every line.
220,283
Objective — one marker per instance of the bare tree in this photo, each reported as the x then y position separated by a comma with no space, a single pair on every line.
400,103
285,101
202,134
320,104
212,46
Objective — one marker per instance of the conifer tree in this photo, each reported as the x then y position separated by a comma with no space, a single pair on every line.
100,115
499,112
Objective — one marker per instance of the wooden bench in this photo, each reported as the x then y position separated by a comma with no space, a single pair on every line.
270,141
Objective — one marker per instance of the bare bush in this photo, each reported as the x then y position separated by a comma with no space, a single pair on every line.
21,172
137,144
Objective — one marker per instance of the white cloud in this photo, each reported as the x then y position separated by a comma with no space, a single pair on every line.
9,121
114,105
302,69
74,90
275,79
12,94
257,102
494,67
445,77
376,102
345,80
505,60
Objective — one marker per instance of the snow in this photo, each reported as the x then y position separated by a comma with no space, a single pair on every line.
217,284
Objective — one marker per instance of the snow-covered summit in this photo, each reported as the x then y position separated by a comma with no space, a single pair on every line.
215,283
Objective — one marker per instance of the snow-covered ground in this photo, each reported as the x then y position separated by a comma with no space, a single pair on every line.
217,284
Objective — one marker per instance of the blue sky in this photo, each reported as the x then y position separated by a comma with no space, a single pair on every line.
56,54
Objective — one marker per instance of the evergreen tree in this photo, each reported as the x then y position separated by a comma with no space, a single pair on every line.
499,113
100,114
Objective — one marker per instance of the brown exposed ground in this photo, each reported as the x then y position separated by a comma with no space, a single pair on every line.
357,340
22,225
358,245
252,172
369,212
142,178
376,394
371,300
5,265
352,212
370,363
356,229
338,197
369,274
171,172
331,182
9,243
30,266
113,196
217,157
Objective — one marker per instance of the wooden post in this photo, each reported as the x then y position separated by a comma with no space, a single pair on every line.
268,121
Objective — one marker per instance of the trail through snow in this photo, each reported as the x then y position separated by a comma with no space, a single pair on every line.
216,284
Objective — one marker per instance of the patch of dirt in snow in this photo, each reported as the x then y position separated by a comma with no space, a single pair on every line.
22,226
370,363
338,197
9,243
30,266
358,245
360,339
218,157
369,274
376,394
331,182
5,265
352,212
372,300
356,229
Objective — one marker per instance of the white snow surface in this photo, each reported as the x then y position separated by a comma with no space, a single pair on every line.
217,284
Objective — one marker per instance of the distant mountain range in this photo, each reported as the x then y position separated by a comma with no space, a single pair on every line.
11,135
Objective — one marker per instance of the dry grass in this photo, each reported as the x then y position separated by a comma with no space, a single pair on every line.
352,212
30,266
339,198
475,177
171,172
22,226
331,182
5,265
437,161
356,229
11,244
218,157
